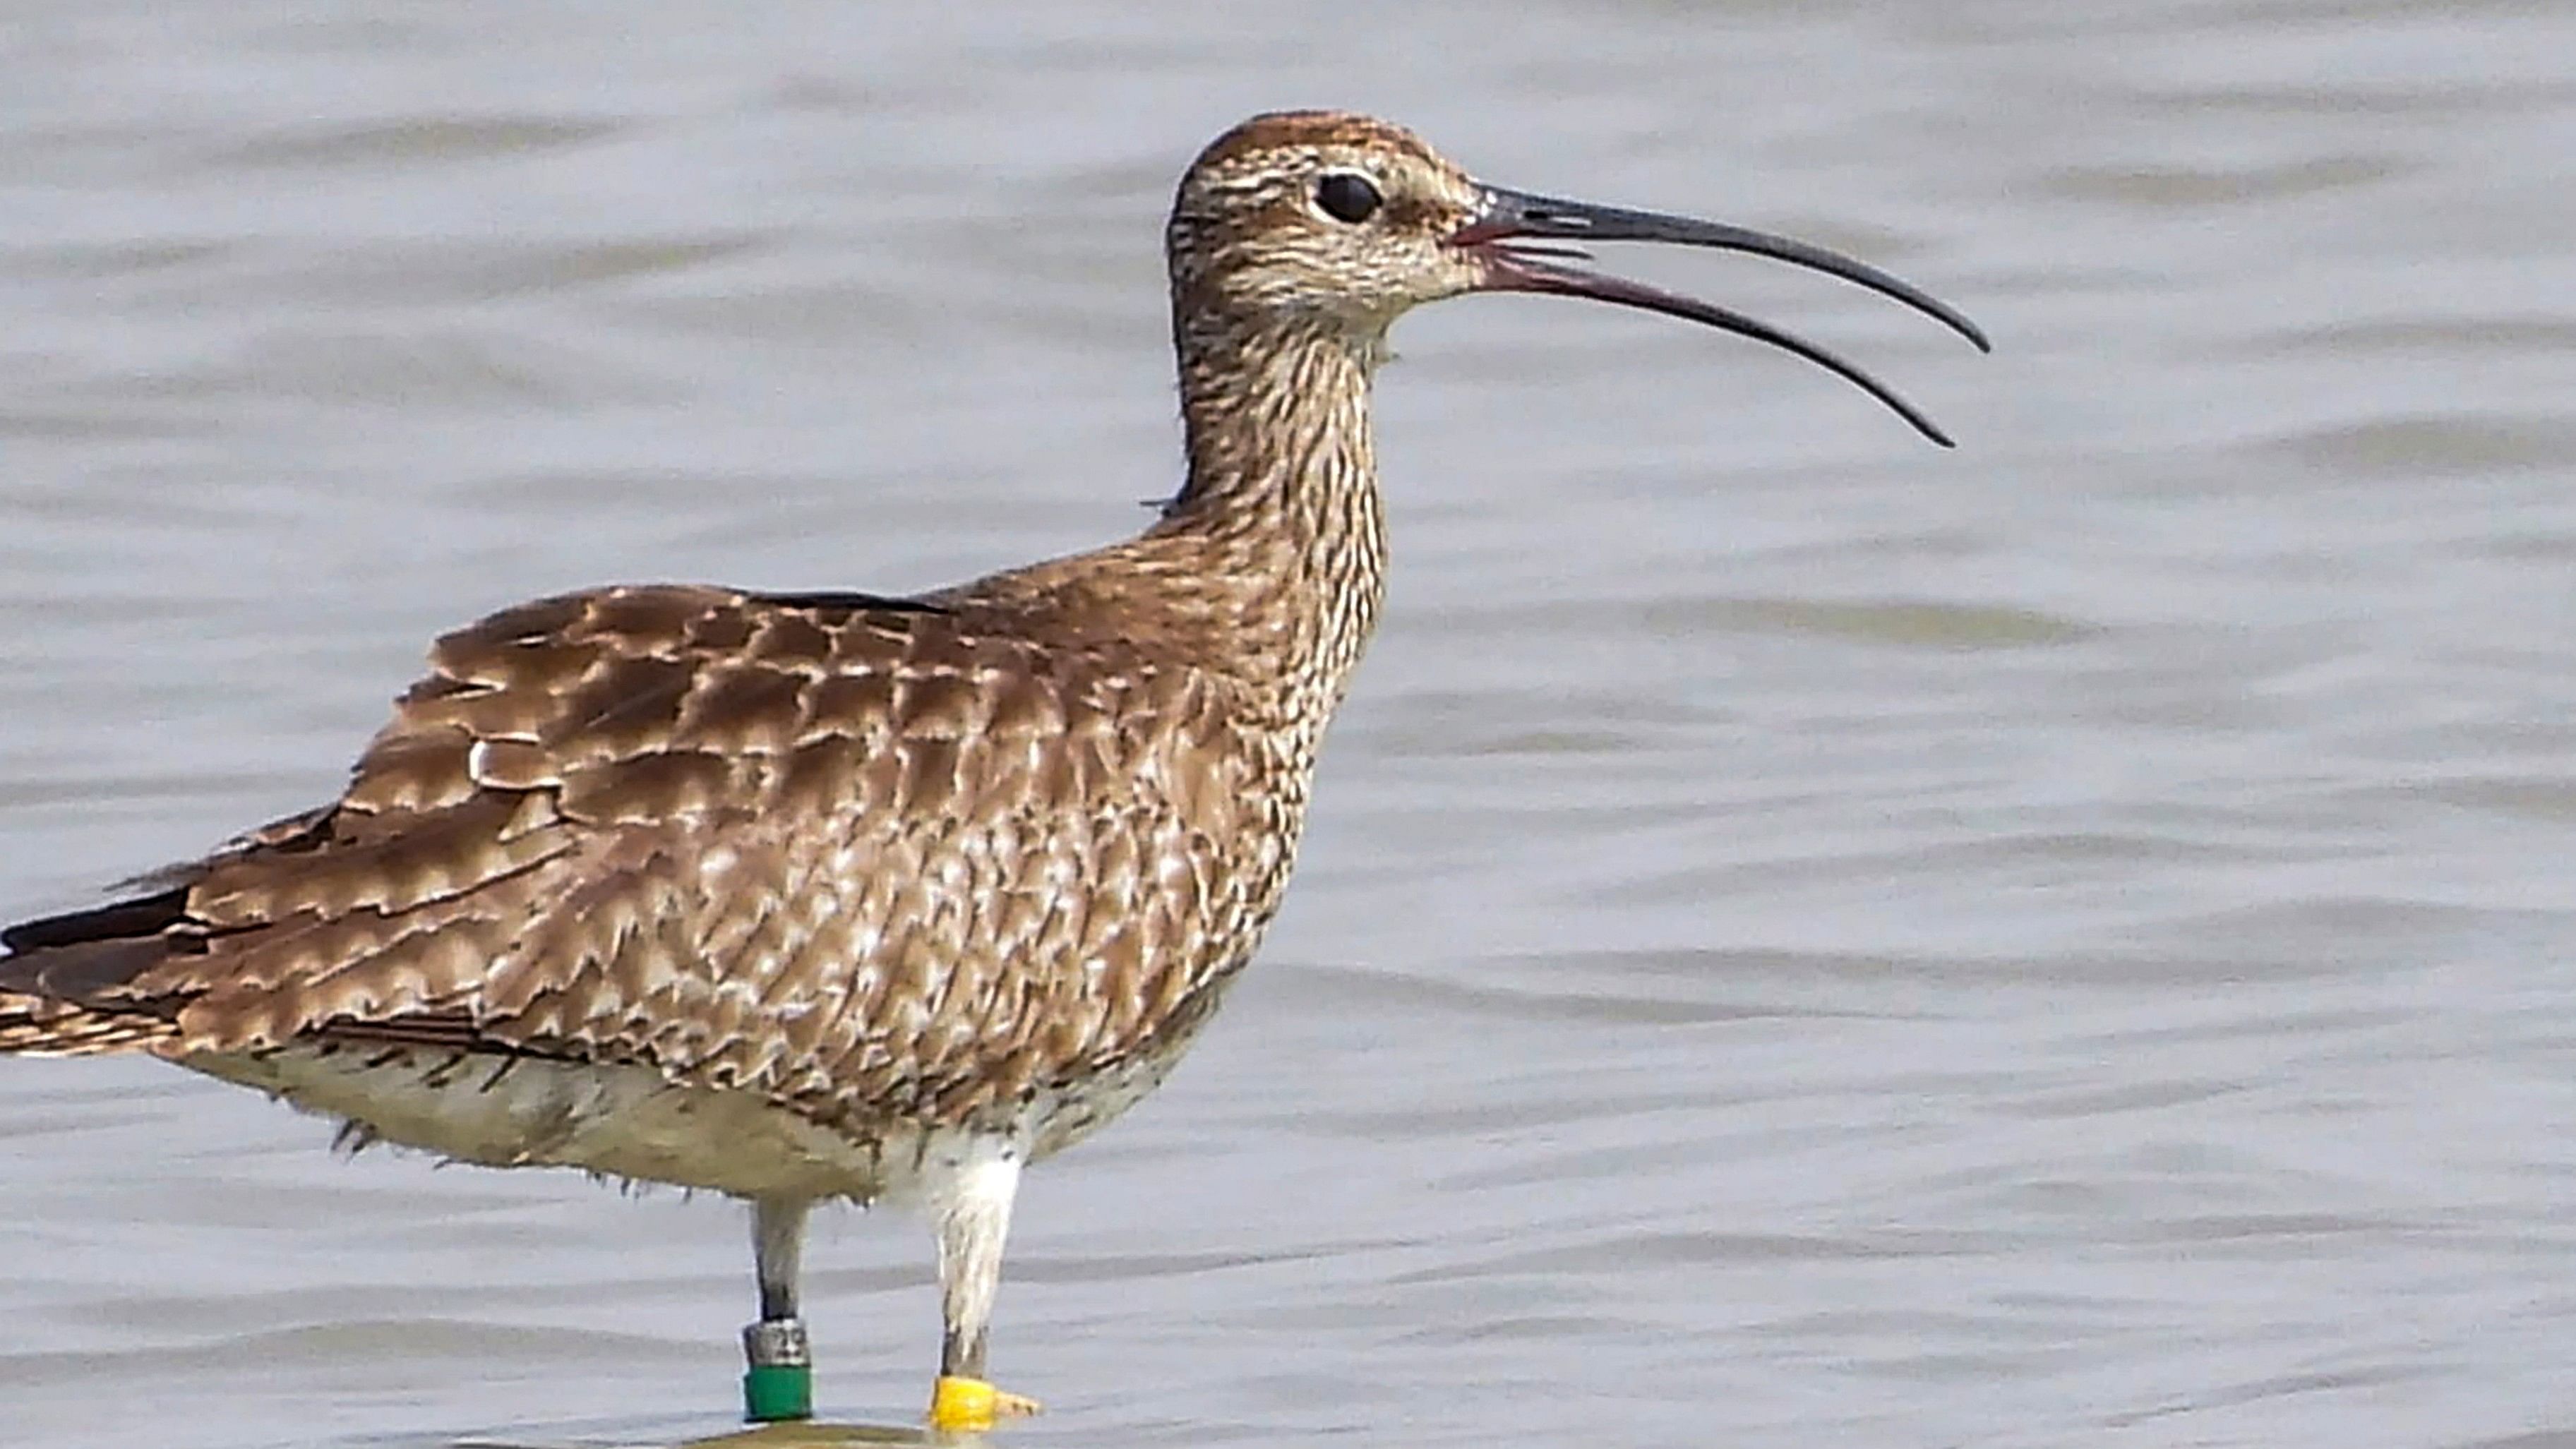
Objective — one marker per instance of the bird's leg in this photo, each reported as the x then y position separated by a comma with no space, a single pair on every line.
972,1206
779,1384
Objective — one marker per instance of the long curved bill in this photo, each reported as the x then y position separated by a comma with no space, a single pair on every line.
1515,216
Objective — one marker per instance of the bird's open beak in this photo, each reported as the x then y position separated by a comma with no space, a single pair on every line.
1509,217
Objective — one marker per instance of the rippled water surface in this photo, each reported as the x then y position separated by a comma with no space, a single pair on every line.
1805,939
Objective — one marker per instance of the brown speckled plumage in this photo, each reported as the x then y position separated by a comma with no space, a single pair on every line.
873,861
789,896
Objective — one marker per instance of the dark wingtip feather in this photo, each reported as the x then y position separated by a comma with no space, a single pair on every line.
140,916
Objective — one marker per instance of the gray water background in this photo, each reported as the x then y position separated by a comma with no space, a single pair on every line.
1805,939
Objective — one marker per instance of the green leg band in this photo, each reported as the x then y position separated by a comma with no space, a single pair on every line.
780,1382
771,1392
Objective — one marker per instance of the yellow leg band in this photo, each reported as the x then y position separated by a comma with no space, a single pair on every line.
972,1405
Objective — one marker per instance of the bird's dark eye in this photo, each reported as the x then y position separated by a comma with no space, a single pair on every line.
1348,196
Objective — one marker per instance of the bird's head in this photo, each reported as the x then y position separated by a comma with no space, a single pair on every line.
1344,222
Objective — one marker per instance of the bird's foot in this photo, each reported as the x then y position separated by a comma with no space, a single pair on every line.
960,1405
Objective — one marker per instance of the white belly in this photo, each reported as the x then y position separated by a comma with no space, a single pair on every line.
631,1122
616,1121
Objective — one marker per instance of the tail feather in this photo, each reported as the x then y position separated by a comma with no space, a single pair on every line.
58,982
34,1027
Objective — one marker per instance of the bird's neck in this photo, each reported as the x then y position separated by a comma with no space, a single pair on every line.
1280,514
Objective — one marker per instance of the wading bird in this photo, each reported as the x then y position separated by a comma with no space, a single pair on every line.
799,897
